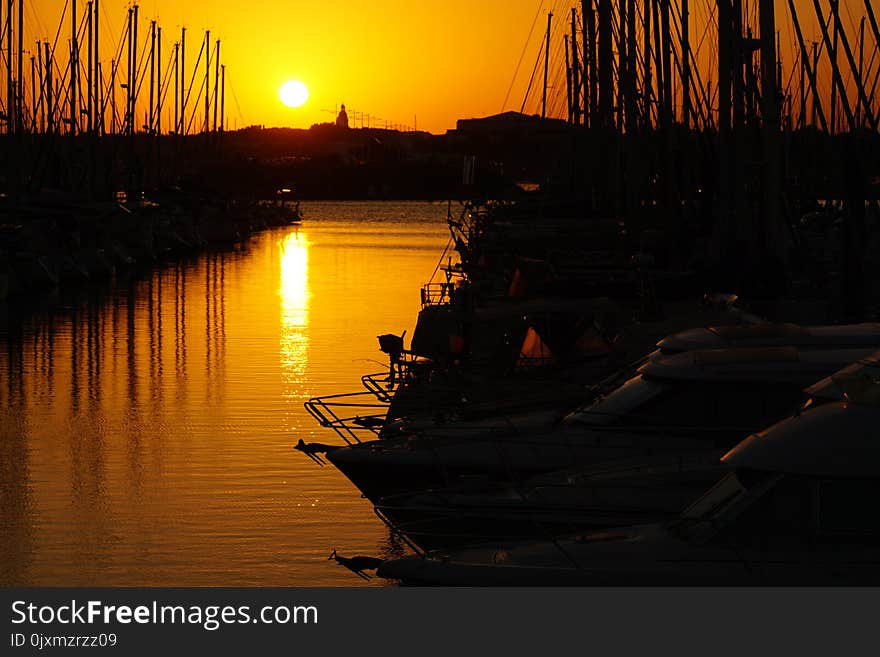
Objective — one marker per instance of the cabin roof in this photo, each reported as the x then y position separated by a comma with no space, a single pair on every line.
767,335
834,440
767,364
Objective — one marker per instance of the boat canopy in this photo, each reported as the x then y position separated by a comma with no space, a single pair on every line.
767,364
769,335
624,400
838,440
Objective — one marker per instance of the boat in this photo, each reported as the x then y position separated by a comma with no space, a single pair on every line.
703,400
793,510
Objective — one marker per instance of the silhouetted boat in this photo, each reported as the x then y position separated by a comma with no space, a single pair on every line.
703,400
792,512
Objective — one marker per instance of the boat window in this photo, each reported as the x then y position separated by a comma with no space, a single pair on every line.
609,409
715,507
846,510
716,499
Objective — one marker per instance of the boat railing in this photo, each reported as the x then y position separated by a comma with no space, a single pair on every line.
381,385
436,294
349,415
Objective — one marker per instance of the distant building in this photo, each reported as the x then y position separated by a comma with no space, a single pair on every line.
508,124
342,119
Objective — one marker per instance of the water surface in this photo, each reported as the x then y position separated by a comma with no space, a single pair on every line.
146,427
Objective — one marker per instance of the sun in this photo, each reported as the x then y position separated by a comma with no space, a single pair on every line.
294,93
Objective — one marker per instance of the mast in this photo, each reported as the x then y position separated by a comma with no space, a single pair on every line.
182,80
90,63
19,111
587,7
207,77
152,76
770,127
632,67
134,66
622,62
128,86
74,66
176,86
50,109
42,89
223,98
216,82
33,94
861,68
98,119
10,83
648,82
725,111
160,82
685,65
113,69
575,103
568,79
666,61
606,65
546,65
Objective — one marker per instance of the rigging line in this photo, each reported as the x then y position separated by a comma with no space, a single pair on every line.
142,65
531,81
110,88
58,33
193,79
166,81
35,17
196,108
521,55
235,99
109,27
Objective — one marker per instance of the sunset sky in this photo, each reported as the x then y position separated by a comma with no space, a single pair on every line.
401,61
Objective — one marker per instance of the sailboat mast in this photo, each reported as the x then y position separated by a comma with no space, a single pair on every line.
176,86
223,98
152,74
134,66
42,125
90,121
97,123
19,111
161,85
74,66
50,108
546,65
129,82
216,82
207,77
182,80
10,84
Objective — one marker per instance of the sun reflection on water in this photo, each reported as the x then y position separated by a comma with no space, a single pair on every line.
294,296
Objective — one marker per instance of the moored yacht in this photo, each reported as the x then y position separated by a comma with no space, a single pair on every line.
794,510
701,401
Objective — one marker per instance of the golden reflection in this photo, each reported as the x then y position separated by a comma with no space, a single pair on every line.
294,293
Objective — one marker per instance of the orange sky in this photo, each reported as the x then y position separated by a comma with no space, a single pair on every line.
402,61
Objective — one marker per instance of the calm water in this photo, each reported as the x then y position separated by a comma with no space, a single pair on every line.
146,429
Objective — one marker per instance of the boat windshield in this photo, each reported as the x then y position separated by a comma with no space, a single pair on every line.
733,493
625,399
